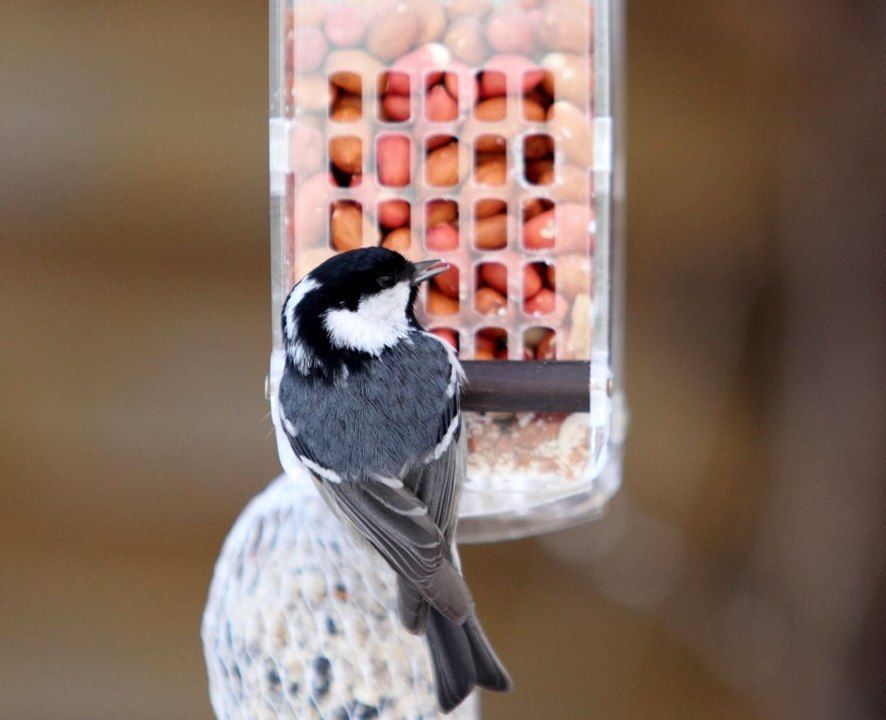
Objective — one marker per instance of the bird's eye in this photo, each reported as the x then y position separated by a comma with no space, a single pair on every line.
386,281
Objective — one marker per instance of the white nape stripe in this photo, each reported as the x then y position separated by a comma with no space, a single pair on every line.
302,357
444,444
323,472
296,295
457,373
378,322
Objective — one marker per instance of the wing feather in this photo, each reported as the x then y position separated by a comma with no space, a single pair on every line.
396,523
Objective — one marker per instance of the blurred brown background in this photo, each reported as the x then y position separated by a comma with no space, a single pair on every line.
740,574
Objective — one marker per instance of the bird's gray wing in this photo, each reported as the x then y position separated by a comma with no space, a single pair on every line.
438,486
396,523
437,483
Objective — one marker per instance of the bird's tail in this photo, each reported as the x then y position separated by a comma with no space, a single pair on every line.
462,659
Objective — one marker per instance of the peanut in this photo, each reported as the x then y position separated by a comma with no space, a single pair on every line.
490,302
441,237
441,211
495,275
447,282
393,160
447,335
440,106
346,153
491,233
509,29
570,126
393,213
346,226
392,32
440,304
441,166
532,279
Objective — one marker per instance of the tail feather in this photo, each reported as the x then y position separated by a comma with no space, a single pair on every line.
491,674
413,608
462,659
453,662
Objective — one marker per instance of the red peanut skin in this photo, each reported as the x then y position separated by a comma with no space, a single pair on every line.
393,159
396,108
447,282
520,72
395,82
441,238
447,335
440,106
532,279
490,302
547,303
440,304
393,213
416,63
484,342
495,275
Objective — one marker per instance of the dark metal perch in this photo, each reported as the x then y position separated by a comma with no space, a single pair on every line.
527,386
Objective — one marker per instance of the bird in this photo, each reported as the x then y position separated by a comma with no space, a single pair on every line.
370,404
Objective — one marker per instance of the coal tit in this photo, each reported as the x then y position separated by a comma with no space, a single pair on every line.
370,404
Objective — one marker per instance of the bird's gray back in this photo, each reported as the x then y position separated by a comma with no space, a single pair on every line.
384,417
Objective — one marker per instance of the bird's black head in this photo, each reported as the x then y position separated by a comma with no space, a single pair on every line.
351,307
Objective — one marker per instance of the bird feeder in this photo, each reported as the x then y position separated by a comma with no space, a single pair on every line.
485,134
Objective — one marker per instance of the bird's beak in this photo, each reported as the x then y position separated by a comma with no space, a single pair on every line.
426,269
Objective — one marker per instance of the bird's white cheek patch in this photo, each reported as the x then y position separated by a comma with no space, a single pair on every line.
378,322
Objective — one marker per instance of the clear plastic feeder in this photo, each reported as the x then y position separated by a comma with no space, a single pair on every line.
485,134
